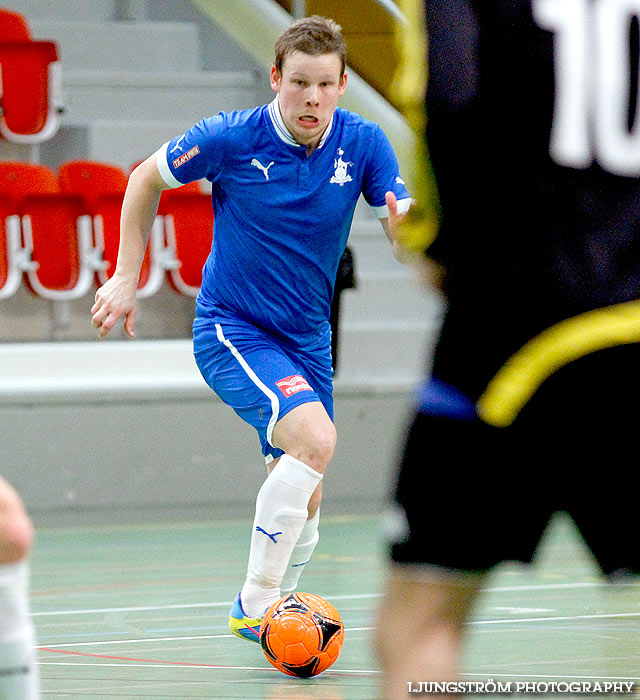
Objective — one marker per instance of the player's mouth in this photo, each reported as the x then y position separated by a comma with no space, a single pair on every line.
308,120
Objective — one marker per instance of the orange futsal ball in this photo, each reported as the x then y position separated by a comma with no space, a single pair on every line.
302,634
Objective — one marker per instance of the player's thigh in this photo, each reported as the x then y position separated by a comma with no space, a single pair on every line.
251,372
459,501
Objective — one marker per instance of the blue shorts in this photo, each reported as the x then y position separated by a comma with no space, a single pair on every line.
263,375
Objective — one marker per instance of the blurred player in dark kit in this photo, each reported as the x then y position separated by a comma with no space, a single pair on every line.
533,402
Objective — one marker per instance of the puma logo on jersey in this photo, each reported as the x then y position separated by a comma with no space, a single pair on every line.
177,146
259,165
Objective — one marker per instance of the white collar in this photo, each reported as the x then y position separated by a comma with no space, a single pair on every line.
281,128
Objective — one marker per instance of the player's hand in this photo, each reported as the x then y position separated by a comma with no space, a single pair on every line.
394,216
428,272
394,222
116,298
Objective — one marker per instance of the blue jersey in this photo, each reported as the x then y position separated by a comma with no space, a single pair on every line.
281,218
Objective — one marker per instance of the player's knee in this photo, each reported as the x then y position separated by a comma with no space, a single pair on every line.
314,447
16,534
318,447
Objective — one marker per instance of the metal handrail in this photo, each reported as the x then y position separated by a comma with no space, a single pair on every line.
392,9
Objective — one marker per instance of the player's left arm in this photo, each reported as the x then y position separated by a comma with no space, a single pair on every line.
385,190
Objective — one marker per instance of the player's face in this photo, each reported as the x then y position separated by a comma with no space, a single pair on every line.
308,92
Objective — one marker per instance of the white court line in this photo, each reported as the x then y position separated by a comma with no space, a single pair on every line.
141,608
548,676
155,665
180,606
337,671
361,596
567,586
559,618
147,640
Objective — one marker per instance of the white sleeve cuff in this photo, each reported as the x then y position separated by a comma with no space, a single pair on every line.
163,167
403,207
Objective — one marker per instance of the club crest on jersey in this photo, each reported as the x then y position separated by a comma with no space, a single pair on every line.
181,160
341,176
293,384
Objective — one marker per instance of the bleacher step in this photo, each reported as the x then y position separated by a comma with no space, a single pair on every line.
392,295
73,10
146,46
171,96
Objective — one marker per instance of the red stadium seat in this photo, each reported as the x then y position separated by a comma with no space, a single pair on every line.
103,186
190,187
30,83
57,254
58,233
188,221
91,179
13,26
18,179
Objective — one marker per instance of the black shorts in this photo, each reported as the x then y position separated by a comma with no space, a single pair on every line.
476,495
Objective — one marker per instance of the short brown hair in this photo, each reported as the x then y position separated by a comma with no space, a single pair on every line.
314,36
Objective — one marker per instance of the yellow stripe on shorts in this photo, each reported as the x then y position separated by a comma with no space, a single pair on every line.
519,378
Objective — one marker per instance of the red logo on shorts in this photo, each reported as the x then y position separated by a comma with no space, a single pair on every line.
292,385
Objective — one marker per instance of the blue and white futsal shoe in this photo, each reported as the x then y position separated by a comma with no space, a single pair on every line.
242,626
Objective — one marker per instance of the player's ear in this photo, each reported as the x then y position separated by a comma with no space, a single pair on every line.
275,79
342,85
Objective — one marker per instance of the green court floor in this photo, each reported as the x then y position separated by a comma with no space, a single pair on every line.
140,612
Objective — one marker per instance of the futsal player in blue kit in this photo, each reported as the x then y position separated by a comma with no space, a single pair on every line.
286,178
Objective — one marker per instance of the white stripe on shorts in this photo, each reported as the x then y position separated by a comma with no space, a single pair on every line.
275,404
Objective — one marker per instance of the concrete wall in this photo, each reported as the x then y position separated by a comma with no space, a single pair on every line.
87,428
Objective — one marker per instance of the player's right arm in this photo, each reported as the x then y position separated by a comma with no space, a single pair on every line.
117,297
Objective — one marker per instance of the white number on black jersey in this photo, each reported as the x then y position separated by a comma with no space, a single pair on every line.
592,75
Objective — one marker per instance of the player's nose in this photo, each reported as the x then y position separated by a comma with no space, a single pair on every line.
312,95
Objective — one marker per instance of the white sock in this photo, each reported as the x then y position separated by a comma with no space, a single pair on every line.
19,678
281,512
301,554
